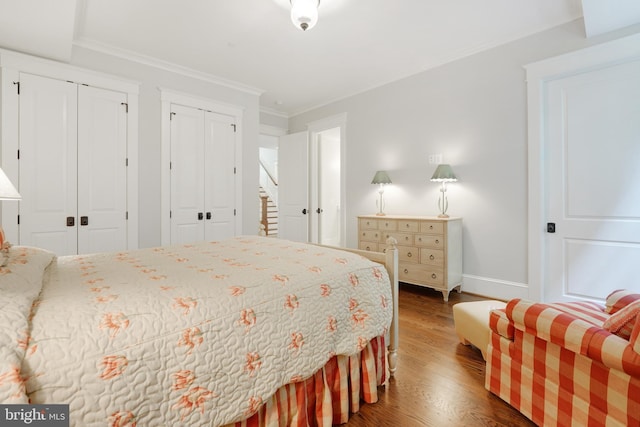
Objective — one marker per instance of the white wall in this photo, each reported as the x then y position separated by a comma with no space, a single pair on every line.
473,111
151,78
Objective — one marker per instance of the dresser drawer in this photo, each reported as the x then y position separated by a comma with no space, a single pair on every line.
408,226
388,224
408,254
421,273
369,246
368,224
429,240
370,235
431,227
432,256
402,238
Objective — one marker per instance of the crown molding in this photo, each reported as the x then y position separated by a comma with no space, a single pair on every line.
164,65
274,112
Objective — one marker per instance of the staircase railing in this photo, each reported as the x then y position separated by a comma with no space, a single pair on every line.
268,183
270,187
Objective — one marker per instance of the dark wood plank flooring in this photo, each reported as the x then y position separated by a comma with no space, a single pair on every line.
439,382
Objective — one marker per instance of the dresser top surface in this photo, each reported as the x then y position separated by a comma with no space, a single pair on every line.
411,217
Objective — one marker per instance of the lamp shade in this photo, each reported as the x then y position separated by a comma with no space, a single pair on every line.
7,190
444,173
381,177
304,13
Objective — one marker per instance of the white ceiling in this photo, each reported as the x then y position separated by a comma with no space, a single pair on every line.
356,45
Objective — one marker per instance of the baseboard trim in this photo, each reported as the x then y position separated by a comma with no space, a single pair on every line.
494,288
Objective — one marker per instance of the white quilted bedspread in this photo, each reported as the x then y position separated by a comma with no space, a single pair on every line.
194,335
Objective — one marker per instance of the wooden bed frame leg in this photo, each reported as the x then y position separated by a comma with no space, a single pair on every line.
392,268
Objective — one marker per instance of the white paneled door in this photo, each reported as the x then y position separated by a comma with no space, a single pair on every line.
102,170
592,146
48,159
187,174
293,187
73,173
220,175
203,175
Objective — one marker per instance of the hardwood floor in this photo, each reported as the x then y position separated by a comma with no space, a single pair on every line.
439,382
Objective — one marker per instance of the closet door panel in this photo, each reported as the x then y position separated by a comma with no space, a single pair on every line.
102,170
48,161
187,174
219,176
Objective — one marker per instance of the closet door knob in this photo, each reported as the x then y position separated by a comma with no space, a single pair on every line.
200,216
71,221
208,215
84,220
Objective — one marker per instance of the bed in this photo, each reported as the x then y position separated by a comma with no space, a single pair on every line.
247,331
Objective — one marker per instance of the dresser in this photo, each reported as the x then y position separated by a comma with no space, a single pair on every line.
429,248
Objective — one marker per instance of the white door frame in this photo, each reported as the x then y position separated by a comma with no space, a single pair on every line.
538,75
314,129
168,97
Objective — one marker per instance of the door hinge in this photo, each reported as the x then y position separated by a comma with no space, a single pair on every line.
171,115
18,154
234,170
126,161
234,212
126,107
234,126
17,86
170,165
18,219
126,215
170,214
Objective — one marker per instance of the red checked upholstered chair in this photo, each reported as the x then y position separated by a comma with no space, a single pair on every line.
568,364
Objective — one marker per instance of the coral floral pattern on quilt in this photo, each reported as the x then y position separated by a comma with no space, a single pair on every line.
197,334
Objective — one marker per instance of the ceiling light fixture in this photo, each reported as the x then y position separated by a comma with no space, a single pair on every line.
304,13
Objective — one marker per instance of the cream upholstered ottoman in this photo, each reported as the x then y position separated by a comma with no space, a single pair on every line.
472,322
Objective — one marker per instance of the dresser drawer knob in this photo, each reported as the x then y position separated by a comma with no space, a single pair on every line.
368,248
406,238
433,276
409,254
431,257
431,227
406,271
406,225
437,242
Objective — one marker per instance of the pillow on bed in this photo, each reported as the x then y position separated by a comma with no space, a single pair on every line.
622,322
619,299
634,341
20,284
4,252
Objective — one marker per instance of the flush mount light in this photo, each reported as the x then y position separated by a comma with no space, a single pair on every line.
304,13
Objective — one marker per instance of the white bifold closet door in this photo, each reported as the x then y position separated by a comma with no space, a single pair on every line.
202,175
72,167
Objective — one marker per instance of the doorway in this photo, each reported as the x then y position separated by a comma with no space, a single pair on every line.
311,190
584,215
325,187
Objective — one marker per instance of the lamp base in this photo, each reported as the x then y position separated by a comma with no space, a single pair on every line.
443,216
381,214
